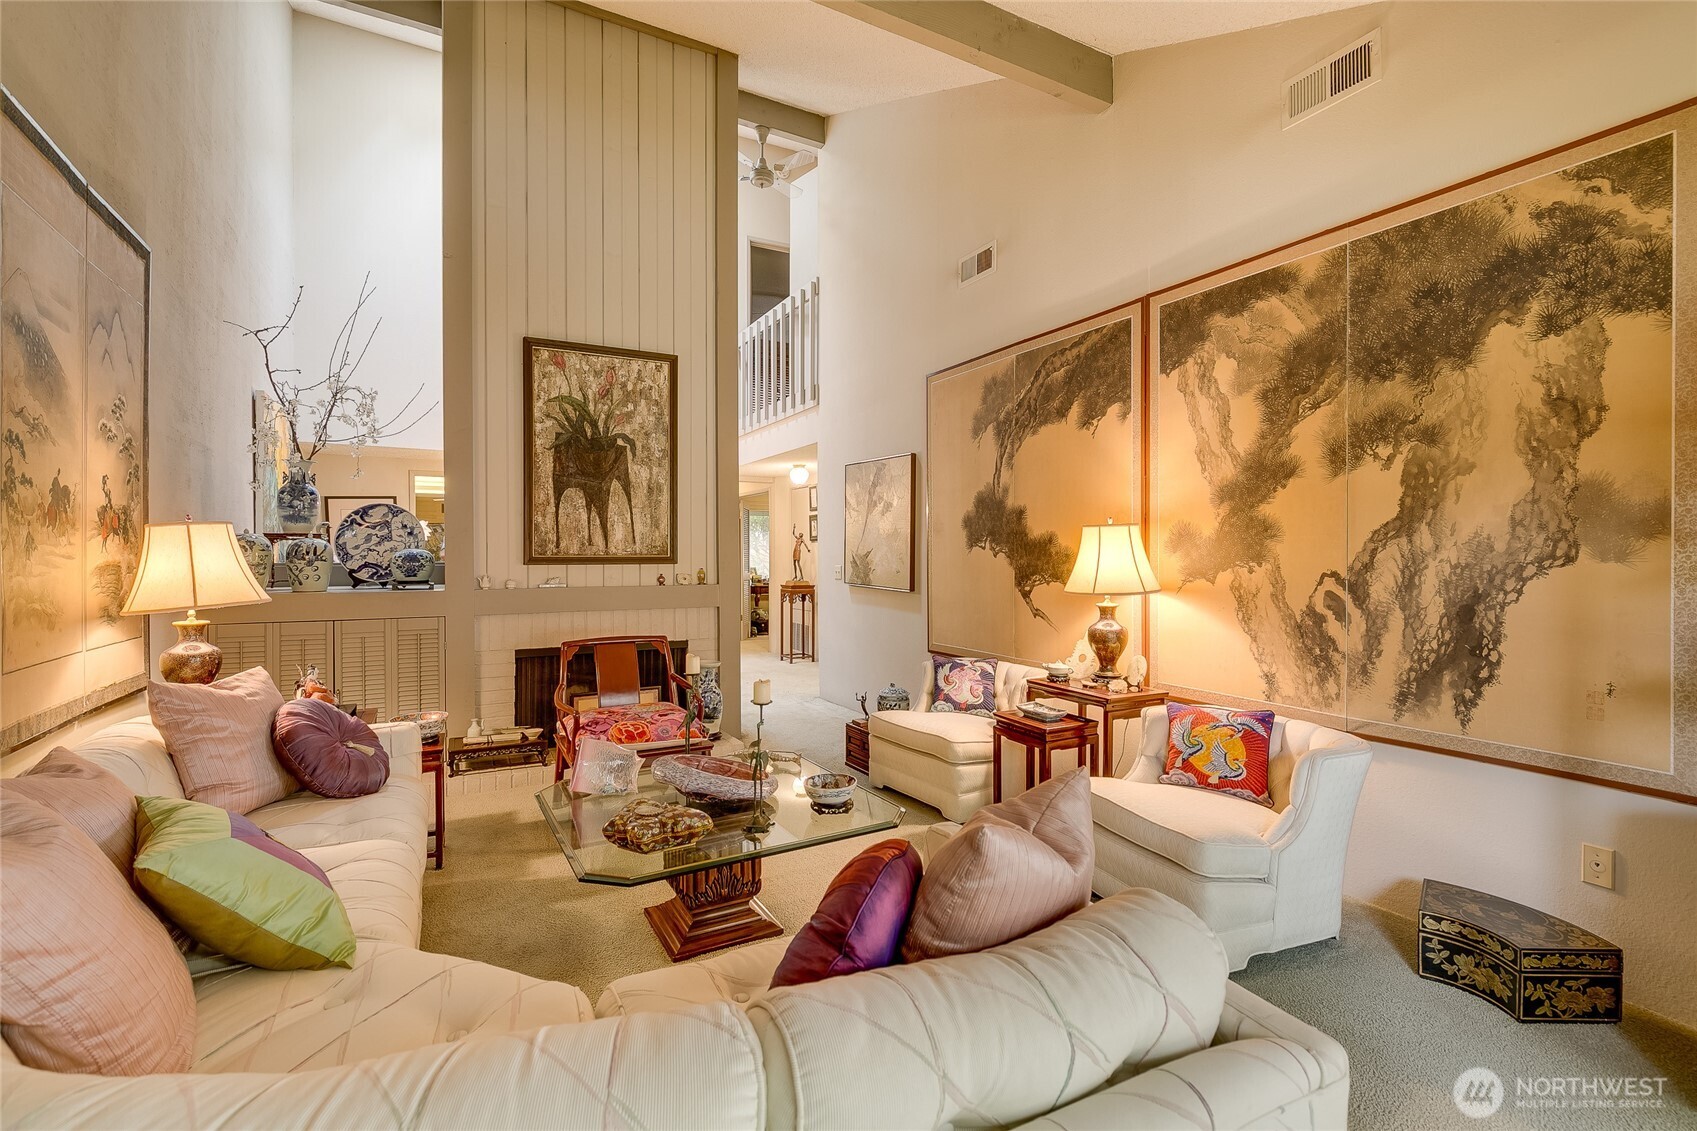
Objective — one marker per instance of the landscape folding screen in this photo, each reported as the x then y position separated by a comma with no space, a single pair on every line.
1024,447
73,471
1420,476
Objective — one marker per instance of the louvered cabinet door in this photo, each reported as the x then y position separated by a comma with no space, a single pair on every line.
364,675
245,646
304,645
420,654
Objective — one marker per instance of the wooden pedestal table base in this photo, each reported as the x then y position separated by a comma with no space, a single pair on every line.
714,908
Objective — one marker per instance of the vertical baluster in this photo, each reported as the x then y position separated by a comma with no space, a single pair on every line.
815,343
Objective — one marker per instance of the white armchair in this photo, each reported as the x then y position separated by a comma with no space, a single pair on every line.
1264,879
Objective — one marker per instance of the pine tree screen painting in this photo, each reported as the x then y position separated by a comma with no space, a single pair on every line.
73,422
1420,476
600,460
878,523
1023,448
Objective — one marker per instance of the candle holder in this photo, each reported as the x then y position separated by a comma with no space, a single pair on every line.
760,763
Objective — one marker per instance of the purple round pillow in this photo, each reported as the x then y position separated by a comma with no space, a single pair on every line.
331,752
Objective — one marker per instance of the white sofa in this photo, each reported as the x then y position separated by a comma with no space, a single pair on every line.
944,758
1078,1011
1263,879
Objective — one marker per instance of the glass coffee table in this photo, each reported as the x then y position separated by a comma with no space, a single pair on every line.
716,879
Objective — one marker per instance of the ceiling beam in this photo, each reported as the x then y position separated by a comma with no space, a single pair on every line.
787,123
998,41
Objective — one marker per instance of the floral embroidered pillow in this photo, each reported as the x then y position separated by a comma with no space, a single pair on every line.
1220,749
968,686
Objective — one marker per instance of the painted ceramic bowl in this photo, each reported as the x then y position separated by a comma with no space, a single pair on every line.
411,565
431,724
1060,673
830,791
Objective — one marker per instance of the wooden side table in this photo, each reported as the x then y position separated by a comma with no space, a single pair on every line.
855,739
1114,705
797,609
1041,740
432,764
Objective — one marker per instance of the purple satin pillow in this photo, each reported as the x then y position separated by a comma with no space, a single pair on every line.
859,923
331,752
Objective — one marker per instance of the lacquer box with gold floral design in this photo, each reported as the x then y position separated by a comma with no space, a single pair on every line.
1531,965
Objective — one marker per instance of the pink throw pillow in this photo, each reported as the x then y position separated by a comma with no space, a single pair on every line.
859,923
1014,867
333,753
90,797
219,736
89,979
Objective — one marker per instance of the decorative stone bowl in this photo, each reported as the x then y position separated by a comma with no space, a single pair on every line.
430,723
830,791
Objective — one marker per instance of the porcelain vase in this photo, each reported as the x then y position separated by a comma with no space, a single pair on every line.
256,551
308,560
710,694
297,500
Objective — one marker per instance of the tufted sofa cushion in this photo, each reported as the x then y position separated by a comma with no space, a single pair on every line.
1122,985
329,751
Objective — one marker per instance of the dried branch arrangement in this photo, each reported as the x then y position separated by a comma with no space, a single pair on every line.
332,410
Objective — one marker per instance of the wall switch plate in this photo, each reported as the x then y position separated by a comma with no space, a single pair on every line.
837,573
1597,865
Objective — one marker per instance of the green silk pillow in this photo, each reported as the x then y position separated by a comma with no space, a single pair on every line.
234,889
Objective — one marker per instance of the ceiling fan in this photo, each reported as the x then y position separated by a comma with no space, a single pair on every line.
764,176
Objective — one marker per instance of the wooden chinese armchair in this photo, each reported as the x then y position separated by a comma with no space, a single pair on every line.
619,715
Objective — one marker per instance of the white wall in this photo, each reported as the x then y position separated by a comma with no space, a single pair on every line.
367,193
763,216
804,230
178,114
1189,171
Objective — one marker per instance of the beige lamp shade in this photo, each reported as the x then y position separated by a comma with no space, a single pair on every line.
1111,560
191,565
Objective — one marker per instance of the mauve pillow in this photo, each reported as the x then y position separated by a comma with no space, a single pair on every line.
330,751
89,979
859,923
219,737
90,797
1014,867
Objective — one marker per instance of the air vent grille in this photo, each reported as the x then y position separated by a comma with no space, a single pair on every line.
978,264
1359,65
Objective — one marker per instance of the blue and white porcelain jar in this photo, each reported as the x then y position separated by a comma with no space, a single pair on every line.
894,698
411,566
308,560
710,694
256,551
297,500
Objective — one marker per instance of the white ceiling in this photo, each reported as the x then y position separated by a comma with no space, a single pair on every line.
778,466
806,55
1118,26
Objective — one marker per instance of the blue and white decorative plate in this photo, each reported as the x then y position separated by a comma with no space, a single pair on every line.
369,537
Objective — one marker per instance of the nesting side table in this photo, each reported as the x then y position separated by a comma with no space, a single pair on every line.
1041,741
1114,705
431,762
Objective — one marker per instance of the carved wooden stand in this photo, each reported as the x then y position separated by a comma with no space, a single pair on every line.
715,907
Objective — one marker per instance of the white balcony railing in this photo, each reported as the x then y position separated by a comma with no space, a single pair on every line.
779,360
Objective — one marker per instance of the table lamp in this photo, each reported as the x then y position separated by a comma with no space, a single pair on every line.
191,565
1110,560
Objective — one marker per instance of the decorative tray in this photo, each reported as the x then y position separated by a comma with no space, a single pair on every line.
711,778
1042,712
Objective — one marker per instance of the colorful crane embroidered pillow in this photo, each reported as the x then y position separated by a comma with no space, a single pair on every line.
1220,749
967,686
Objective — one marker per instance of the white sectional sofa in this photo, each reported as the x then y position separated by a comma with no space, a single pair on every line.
1059,1027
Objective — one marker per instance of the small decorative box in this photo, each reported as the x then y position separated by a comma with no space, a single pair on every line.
648,826
1529,964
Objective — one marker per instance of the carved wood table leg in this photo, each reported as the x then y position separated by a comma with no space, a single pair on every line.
714,908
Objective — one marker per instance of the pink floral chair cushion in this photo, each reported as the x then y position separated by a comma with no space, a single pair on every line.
640,724
968,686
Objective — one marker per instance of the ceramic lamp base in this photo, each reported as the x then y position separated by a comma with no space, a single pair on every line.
193,658
1107,640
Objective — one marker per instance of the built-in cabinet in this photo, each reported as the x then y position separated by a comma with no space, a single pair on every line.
388,666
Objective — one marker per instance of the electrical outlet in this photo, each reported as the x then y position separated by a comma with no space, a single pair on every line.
1597,865
837,573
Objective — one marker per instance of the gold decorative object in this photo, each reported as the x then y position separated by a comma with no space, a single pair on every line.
648,826
191,565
